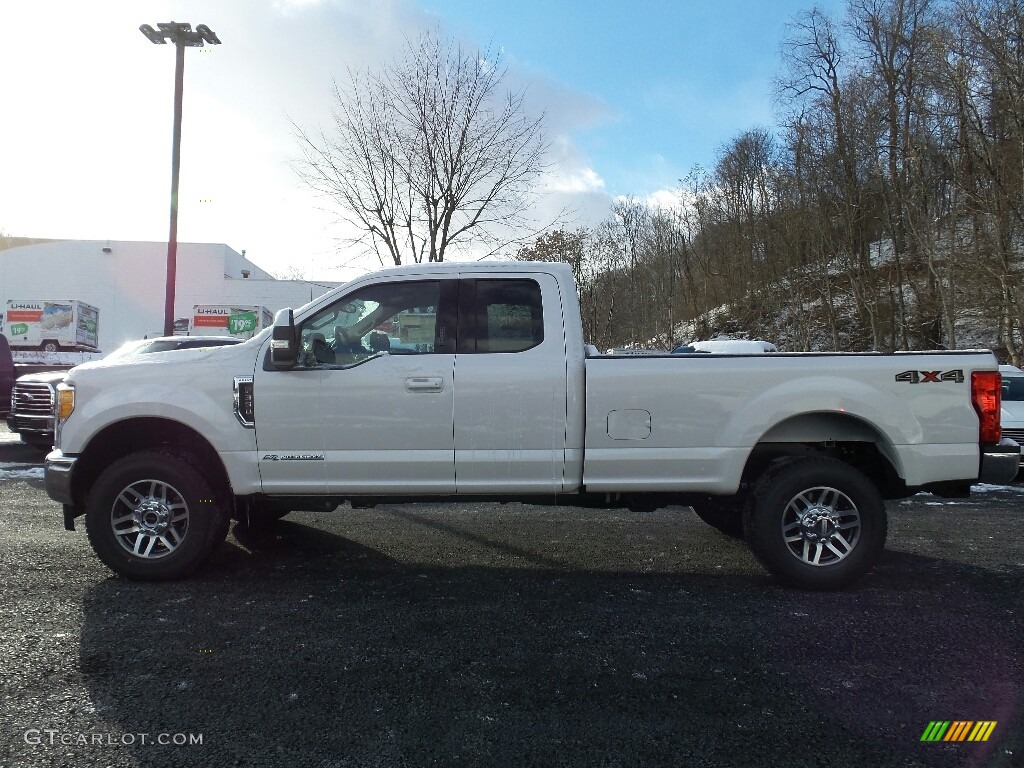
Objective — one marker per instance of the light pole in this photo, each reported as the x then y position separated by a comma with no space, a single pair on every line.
183,36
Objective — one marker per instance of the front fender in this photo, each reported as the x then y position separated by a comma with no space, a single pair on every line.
196,392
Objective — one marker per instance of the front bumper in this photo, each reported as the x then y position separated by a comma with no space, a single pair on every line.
42,426
58,474
999,463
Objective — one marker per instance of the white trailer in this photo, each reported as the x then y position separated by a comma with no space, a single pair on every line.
51,325
243,321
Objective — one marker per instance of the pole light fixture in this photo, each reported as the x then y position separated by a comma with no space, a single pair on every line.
183,36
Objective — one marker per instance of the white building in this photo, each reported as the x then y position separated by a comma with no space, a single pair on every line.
126,281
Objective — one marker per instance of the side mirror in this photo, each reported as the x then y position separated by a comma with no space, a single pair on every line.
284,349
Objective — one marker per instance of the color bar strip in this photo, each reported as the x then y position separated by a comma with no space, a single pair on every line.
982,730
935,731
959,730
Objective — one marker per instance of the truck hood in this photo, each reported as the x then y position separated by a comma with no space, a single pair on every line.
190,386
122,367
44,377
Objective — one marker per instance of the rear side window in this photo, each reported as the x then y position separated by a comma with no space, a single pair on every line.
501,316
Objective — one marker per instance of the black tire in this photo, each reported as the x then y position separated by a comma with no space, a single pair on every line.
49,346
169,497
725,515
835,517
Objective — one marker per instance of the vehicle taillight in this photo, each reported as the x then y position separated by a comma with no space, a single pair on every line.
986,394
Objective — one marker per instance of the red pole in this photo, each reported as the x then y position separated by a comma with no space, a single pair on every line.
172,238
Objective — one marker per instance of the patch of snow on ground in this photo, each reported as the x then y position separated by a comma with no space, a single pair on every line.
12,471
987,488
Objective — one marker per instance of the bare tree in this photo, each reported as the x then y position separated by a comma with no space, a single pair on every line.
825,143
429,154
987,82
886,212
290,273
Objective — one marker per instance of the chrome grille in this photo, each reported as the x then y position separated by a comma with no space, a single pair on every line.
1015,434
32,399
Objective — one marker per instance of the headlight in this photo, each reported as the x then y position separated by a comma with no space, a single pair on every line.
65,401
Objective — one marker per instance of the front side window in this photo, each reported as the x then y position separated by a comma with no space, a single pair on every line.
395,318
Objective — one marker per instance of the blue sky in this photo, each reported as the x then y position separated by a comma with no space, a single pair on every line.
635,94
679,78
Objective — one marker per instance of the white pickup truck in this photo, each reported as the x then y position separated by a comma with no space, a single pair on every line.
472,381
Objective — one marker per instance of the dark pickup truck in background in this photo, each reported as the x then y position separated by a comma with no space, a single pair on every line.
6,375
31,398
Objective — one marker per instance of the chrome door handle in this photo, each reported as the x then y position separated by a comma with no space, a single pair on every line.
424,384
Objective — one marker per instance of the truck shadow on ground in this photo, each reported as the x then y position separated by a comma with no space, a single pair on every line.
298,646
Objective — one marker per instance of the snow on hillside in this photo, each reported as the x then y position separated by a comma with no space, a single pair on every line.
804,324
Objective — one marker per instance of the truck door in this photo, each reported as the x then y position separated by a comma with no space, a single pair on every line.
386,356
510,393
368,407
289,441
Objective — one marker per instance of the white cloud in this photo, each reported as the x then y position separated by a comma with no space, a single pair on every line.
85,146
577,180
669,199
665,199
288,6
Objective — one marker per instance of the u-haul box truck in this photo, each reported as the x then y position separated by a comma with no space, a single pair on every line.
52,325
242,321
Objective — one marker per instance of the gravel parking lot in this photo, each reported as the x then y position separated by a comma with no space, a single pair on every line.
508,635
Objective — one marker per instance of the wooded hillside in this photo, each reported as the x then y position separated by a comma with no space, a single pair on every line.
884,212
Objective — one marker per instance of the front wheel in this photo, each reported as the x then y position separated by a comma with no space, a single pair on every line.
725,515
816,523
153,516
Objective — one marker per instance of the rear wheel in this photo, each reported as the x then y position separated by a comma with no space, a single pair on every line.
50,346
816,523
153,516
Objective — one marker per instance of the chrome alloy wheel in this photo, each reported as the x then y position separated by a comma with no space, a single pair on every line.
821,526
149,519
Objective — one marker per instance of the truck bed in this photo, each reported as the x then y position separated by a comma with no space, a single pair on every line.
689,422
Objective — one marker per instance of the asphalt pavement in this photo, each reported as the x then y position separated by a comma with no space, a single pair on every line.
508,635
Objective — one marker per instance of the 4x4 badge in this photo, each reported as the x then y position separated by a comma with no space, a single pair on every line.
925,377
